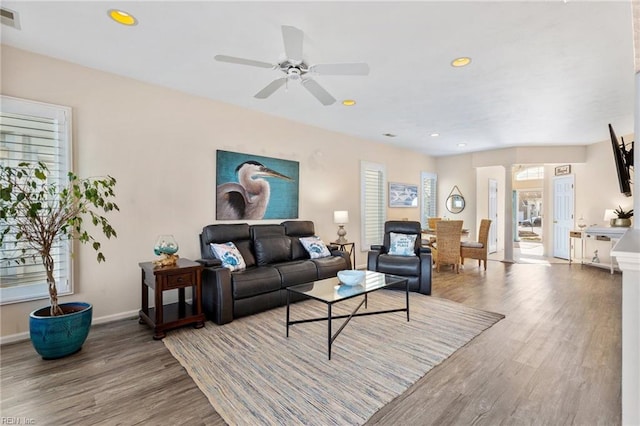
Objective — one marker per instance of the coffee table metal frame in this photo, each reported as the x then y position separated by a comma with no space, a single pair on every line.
326,291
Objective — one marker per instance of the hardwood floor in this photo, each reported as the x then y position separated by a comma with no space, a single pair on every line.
554,359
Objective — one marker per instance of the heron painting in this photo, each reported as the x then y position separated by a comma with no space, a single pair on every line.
253,187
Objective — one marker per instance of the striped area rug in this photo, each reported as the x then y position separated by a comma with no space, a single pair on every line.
254,375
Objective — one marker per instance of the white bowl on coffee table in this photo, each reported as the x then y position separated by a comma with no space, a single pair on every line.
351,277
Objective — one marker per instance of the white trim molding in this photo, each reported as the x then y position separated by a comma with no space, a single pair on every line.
627,253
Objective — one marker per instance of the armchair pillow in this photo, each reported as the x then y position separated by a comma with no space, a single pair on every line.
402,244
230,256
315,247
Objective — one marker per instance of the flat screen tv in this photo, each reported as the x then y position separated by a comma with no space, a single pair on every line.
624,161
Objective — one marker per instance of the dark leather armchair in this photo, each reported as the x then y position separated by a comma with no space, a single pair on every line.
416,268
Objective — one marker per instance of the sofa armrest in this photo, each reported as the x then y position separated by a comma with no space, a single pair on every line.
344,255
372,257
210,262
217,294
426,267
423,250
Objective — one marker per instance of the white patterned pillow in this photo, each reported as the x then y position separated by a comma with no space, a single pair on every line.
229,255
315,247
402,244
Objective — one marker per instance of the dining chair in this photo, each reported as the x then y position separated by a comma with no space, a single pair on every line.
446,248
432,221
477,249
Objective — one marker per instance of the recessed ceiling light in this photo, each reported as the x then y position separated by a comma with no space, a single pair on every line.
462,145
389,135
435,135
122,17
461,62
348,102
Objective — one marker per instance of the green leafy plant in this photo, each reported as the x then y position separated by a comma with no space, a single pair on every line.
38,213
623,214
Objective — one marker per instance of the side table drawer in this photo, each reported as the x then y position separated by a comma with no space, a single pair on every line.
179,280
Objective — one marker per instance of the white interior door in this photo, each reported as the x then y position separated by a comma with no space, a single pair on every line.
493,215
563,205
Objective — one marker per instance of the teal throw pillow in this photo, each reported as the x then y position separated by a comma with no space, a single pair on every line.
229,255
315,247
402,244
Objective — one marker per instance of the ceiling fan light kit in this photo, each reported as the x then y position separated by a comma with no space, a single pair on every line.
295,69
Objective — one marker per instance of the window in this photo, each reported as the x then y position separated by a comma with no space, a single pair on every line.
34,131
373,184
530,173
429,200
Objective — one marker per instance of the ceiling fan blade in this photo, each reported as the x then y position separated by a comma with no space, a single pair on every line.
242,61
340,69
271,87
292,43
318,91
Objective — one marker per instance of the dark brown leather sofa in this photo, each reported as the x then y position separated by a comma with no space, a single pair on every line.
275,259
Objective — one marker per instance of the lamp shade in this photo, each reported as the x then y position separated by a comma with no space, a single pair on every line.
609,214
341,216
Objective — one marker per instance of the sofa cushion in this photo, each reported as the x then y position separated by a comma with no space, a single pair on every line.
229,255
299,228
315,247
297,249
261,231
329,266
223,233
270,250
245,248
253,281
399,265
297,272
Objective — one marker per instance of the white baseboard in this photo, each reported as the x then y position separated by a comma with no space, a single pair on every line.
19,337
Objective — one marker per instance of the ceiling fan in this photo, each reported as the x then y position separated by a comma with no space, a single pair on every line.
295,68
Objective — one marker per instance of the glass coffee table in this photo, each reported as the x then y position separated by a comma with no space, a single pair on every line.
330,291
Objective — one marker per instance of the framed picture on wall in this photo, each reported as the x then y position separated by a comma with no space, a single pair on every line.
563,170
253,187
403,195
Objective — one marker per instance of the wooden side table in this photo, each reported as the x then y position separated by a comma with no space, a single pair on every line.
164,317
349,248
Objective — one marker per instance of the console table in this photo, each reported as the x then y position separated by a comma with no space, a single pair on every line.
611,235
161,317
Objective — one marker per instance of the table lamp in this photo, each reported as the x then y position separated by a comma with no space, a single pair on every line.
341,217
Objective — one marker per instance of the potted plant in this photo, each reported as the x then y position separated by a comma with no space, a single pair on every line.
624,218
36,213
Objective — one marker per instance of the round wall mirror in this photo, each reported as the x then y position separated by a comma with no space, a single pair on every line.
455,203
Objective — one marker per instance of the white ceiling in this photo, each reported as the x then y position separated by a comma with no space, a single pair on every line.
542,73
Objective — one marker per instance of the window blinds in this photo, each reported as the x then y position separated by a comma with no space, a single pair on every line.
32,131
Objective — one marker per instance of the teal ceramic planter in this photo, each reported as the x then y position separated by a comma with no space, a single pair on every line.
59,336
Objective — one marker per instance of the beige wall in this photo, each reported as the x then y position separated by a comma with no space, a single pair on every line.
597,186
457,171
160,145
